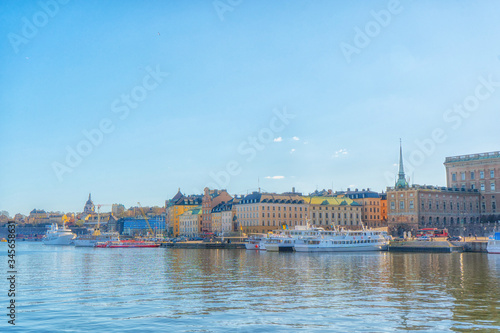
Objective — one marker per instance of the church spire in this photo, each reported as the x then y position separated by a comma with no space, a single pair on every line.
401,182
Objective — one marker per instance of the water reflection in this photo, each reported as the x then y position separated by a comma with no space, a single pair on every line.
233,290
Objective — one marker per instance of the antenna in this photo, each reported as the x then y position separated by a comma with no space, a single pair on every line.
258,183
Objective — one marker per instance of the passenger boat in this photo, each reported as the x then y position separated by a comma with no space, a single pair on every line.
494,243
284,240
92,240
57,236
126,244
344,241
256,242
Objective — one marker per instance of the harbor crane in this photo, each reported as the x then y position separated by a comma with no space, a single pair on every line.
97,231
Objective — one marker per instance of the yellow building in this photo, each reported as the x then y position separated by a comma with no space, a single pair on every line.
178,205
334,211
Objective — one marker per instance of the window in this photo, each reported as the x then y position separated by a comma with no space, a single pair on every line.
481,174
462,175
401,205
482,187
492,186
411,204
472,175
492,173
454,177
393,206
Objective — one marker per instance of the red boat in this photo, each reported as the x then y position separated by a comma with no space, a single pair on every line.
126,244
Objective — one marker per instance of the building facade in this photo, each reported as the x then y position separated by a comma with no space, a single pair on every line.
264,212
190,222
415,207
477,172
336,211
222,218
211,198
176,207
373,215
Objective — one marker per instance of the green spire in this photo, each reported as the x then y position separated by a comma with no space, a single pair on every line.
401,182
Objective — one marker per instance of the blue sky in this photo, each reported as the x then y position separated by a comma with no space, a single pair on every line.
222,73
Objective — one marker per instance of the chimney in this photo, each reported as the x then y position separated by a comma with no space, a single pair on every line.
293,189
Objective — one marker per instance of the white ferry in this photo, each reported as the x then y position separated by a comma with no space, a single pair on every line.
494,243
256,242
285,240
56,236
344,241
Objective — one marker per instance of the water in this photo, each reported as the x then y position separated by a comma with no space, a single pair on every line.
67,289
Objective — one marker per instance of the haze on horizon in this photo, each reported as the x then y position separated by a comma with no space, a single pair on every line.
132,102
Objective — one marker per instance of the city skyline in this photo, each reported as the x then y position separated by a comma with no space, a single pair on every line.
132,103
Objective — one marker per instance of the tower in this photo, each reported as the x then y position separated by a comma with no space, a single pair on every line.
89,206
401,182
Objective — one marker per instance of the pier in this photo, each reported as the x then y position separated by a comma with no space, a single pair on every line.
469,244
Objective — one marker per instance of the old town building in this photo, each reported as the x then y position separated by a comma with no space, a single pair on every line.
477,172
264,212
415,207
176,206
329,212
211,198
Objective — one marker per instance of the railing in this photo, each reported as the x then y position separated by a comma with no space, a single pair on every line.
494,154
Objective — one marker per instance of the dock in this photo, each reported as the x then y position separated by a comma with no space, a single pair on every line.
203,245
438,246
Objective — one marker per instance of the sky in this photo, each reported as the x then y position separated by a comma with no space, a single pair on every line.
132,100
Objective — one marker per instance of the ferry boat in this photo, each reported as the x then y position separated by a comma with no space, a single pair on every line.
256,242
56,236
285,240
494,243
126,244
93,239
344,241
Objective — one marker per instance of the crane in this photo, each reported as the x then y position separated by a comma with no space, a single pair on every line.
97,231
145,218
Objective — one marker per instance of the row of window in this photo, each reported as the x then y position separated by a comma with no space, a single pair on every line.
320,215
253,223
482,186
255,208
472,175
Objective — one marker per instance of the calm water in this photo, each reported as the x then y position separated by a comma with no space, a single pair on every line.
67,289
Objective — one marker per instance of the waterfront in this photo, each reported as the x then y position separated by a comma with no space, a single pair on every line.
184,290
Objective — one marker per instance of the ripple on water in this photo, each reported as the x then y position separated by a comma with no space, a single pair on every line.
122,290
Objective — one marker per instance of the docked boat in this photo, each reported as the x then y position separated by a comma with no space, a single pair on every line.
93,239
127,244
284,240
494,243
344,241
256,242
58,236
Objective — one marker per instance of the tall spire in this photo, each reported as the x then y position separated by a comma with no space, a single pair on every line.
401,182
401,169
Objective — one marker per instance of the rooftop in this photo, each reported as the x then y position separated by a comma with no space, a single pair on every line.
472,157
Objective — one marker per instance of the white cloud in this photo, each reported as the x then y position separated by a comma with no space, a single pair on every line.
278,139
292,151
340,153
275,177
295,138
